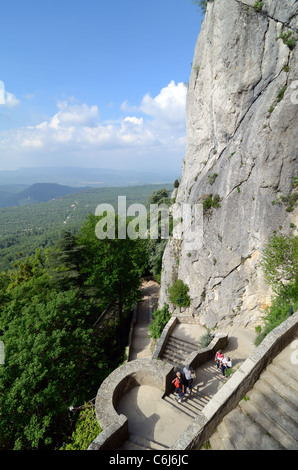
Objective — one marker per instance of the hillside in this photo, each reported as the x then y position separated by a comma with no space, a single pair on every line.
38,192
23,229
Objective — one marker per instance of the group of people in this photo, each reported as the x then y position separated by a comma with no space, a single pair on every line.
222,362
183,382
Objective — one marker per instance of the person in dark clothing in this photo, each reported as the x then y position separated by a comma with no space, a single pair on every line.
179,386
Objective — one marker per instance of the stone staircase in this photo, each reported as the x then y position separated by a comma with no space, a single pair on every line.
135,442
176,351
267,418
191,405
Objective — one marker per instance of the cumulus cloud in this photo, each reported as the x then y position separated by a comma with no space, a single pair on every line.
168,105
7,99
157,123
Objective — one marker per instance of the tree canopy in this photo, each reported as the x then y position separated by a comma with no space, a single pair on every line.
55,356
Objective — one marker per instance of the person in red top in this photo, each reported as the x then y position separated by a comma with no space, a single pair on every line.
179,386
218,357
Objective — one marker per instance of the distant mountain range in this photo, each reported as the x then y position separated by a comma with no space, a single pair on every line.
39,192
82,177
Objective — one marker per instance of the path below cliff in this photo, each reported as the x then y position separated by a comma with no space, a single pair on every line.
141,343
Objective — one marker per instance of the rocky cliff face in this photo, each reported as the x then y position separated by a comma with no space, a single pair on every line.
242,146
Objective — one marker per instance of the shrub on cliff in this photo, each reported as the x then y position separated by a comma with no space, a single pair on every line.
160,319
178,293
280,265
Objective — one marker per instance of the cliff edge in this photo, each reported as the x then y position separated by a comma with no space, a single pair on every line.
241,151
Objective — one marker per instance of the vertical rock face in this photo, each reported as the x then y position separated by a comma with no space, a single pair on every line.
241,118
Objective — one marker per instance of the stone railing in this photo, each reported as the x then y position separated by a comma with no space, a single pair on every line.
131,330
196,358
114,387
162,341
228,397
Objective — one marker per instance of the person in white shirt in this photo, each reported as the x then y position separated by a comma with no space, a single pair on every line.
188,375
226,363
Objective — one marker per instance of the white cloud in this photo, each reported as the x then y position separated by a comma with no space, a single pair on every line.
10,100
76,129
7,99
168,105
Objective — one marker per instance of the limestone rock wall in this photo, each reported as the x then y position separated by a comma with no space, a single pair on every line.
241,118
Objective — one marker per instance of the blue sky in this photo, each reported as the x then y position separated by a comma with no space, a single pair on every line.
95,84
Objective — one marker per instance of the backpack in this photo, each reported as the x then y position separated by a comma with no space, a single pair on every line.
177,383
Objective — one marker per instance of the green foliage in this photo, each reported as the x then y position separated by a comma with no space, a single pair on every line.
280,265
27,228
157,246
54,356
87,429
288,39
205,340
281,93
276,314
155,253
212,178
159,321
176,183
258,6
202,4
206,446
116,268
279,97
280,262
290,201
179,290
211,202
228,372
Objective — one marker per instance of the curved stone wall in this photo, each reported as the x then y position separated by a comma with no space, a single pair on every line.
119,382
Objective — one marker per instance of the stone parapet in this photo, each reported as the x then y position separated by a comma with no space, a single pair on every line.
162,341
228,397
114,387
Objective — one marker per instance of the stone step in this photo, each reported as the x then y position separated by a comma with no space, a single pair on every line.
287,375
175,359
148,444
274,423
216,442
176,351
132,446
192,403
286,386
224,438
182,344
173,349
268,419
285,406
242,433
186,408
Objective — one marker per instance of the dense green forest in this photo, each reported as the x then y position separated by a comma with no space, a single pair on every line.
24,229
59,346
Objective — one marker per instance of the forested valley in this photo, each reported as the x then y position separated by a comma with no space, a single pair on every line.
64,322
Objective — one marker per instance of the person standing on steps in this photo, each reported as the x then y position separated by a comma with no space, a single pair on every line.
189,376
218,358
226,363
179,386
